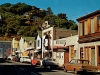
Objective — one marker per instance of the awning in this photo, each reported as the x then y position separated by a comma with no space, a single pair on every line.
60,47
29,48
37,51
18,51
47,51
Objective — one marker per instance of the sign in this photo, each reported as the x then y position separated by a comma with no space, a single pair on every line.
60,47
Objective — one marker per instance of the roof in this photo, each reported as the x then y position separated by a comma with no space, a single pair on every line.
29,38
89,15
40,33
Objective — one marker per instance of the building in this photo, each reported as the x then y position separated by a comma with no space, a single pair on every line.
49,35
23,46
15,45
65,49
5,49
89,37
38,46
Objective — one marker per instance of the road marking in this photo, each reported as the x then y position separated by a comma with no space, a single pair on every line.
21,68
34,73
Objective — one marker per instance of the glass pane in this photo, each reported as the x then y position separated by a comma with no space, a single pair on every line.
98,19
92,25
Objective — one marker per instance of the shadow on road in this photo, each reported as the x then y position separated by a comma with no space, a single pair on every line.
28,70
22,70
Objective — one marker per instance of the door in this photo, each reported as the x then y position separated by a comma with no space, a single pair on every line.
98,55
1,53
93,56
81,53
66,56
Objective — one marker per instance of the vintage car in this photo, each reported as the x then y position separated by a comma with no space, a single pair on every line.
25,59
77,66
48,62
36,61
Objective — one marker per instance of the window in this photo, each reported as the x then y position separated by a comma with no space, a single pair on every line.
85,28
74,53
57,55
72,61
92,25
81,53
60,37
81,29
98,20
98,23
38,43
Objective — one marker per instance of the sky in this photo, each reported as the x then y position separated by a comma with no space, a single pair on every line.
72,8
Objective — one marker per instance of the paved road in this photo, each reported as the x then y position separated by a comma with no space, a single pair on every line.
8,62
16,68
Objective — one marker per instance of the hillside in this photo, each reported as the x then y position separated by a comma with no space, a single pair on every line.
26,20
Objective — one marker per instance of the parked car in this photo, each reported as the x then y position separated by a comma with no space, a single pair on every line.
36,61
48,62
25,59
77,65
10,57
15,58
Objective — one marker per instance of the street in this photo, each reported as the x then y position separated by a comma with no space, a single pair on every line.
16,68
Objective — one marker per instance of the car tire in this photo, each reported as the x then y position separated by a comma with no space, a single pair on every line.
65,69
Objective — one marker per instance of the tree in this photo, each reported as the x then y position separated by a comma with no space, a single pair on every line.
72,25
20,8
49,10
62,16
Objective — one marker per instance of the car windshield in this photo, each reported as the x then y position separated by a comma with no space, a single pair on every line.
26,57
72,61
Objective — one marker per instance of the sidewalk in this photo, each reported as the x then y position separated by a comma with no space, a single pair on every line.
17,63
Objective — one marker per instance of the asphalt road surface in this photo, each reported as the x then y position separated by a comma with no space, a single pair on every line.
16,68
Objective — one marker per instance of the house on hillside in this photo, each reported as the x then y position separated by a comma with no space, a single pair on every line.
23,47
49,35
89,37
38,46
15,45
65,49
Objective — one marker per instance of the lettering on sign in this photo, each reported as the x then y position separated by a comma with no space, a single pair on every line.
61,42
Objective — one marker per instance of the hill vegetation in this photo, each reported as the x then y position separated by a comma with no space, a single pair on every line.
26,20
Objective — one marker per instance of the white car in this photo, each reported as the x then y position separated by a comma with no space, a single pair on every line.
10,57
25,59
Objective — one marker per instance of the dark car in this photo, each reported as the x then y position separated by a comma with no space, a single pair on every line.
77,65
49,63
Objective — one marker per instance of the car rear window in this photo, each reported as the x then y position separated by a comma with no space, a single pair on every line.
83,62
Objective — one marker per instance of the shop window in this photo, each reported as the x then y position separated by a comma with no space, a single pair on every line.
81,53
99,50
57,55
